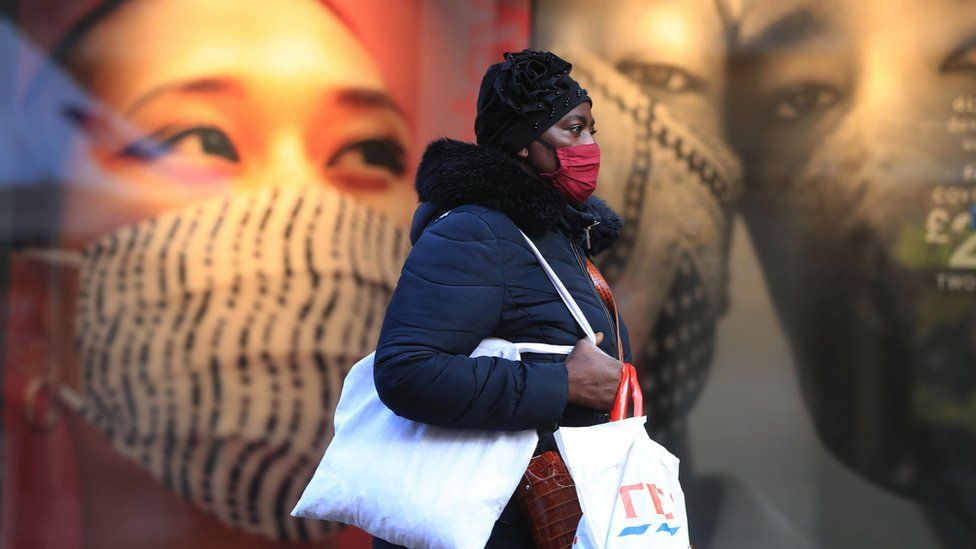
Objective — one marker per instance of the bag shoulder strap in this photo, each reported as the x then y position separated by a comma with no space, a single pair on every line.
562,291
606,295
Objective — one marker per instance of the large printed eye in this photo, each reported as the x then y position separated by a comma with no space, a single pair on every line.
801,101
368,164
963,59
660,77
197,141
384,153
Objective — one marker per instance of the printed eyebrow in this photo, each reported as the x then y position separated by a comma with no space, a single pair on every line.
198,85
359,97
365,97
791,29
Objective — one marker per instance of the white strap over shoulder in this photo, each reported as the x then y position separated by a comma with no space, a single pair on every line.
563,291
564,294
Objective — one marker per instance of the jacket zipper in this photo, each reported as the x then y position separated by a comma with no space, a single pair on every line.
586,274
586,233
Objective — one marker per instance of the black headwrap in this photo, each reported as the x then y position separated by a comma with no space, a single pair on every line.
522,97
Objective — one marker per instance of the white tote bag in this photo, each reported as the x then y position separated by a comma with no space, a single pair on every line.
627,486
415,484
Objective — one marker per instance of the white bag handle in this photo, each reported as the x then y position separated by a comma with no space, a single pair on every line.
543,348
563,292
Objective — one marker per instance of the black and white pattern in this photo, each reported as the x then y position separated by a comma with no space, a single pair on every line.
677,190
214,342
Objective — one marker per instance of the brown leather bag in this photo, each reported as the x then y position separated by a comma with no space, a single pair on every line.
547,493
547,496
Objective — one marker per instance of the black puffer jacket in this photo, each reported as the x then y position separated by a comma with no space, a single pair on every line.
471,275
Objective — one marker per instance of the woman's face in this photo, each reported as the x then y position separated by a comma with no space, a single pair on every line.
202,98
576,127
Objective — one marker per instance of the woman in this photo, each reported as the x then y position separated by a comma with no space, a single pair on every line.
471,275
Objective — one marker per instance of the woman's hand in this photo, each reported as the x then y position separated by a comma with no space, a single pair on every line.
593,375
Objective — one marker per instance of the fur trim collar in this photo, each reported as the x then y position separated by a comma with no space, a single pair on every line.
453,173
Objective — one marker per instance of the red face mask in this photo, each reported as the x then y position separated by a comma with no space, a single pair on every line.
576,175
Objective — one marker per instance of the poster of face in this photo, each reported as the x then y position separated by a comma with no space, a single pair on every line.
217,197
855,122
852,124
657,87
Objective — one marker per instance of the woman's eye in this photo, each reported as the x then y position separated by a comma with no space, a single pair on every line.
385,153
801,101
196,141
578,130
660,77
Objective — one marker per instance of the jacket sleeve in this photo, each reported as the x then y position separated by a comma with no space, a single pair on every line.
449,297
